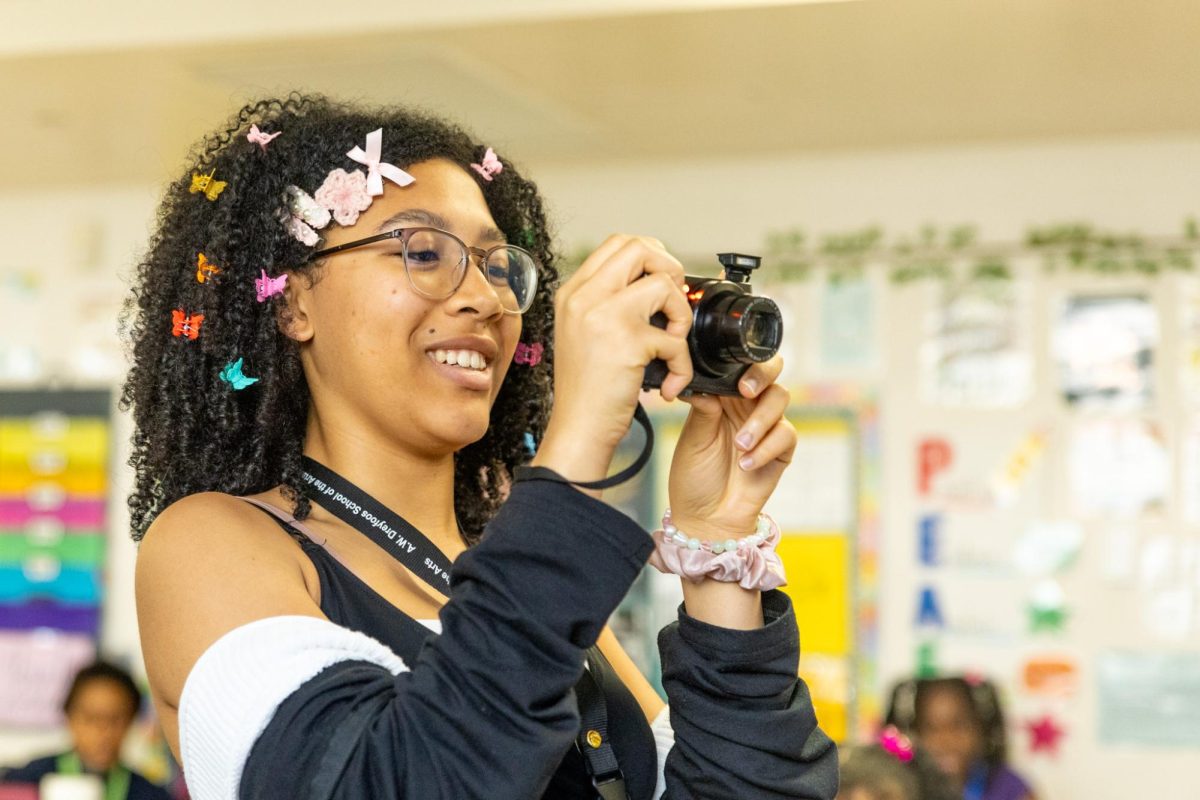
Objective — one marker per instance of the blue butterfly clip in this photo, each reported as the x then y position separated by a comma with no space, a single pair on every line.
232,374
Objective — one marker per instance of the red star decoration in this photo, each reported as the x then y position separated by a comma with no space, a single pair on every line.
1044,735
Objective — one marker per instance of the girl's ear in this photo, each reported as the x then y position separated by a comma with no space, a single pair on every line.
294,318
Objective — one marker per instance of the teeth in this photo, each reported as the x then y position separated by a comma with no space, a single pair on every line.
468,359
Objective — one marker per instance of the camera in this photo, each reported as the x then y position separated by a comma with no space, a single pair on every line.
731,329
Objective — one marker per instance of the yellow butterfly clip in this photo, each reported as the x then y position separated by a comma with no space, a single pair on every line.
205,268
205,183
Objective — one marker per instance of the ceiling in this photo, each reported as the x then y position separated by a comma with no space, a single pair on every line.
613,80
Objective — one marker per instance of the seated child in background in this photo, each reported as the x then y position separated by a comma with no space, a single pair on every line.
958,722
891,770
100,706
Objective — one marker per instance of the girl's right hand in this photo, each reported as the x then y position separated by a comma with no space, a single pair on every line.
603,341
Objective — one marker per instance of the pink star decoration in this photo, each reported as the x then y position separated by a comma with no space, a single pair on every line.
1045,735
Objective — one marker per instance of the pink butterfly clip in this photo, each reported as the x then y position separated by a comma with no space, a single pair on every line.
529,354
267,286
255,136
490,166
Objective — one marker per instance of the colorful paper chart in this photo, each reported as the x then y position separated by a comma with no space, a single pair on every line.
54,451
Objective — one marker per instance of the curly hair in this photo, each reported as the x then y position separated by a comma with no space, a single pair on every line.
192,432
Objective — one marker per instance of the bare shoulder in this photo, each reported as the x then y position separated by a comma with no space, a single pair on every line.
210,563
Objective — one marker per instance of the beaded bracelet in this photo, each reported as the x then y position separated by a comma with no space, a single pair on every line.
750,561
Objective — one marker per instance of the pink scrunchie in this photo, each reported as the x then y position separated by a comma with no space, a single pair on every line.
751,567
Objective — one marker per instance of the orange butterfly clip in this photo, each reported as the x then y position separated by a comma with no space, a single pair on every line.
205,268
207,184
184,324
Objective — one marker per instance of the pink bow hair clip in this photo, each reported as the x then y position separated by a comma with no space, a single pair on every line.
377,170
529,354
255,136
266,286
896,743
490,166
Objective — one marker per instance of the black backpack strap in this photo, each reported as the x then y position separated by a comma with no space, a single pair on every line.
593,741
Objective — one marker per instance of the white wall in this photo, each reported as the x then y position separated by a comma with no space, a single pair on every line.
698,208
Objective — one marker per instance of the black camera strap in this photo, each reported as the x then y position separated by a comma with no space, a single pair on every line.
411,548
546,474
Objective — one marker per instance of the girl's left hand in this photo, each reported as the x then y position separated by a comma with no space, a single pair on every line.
730,456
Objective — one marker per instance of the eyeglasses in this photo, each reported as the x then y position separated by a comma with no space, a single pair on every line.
436,263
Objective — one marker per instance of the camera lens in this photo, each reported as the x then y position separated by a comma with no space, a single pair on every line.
733,328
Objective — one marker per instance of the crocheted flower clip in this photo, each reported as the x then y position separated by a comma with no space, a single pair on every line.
345,195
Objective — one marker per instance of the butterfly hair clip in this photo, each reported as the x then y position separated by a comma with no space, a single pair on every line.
255,136
185,325
205,268
491,166
233,375
208,184
529,354
266,286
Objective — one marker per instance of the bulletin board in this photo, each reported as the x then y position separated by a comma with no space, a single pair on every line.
54,476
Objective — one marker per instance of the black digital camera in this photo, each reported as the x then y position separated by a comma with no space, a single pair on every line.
731,329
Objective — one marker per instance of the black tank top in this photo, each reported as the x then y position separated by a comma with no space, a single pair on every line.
348,601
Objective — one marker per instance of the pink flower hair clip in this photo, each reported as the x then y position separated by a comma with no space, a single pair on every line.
896,743
344,194
255,136
491,166
529,354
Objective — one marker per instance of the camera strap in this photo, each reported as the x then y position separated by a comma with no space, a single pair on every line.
546,474
395,535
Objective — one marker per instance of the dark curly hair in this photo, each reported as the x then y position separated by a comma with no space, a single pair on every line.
192,432
103,671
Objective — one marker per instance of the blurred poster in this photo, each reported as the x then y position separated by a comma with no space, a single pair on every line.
1118,467
819,490
847,335
1149,698
1105,351
54,481
977,350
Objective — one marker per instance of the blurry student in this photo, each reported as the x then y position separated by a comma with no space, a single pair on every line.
891,769
959,723
101,705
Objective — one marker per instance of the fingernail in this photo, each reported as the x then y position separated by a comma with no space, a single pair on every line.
751,385
746,462
744,440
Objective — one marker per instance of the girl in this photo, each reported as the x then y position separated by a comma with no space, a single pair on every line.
958,722
347,587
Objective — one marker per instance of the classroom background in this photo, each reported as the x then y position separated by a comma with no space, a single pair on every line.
979,218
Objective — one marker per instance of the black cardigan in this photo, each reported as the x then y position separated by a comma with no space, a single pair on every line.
488,708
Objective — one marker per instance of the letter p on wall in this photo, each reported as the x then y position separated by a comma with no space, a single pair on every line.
934,455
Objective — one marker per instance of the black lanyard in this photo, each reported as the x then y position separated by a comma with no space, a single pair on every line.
377,522
413,549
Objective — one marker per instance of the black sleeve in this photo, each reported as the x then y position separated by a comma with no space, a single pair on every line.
488,709
744,724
